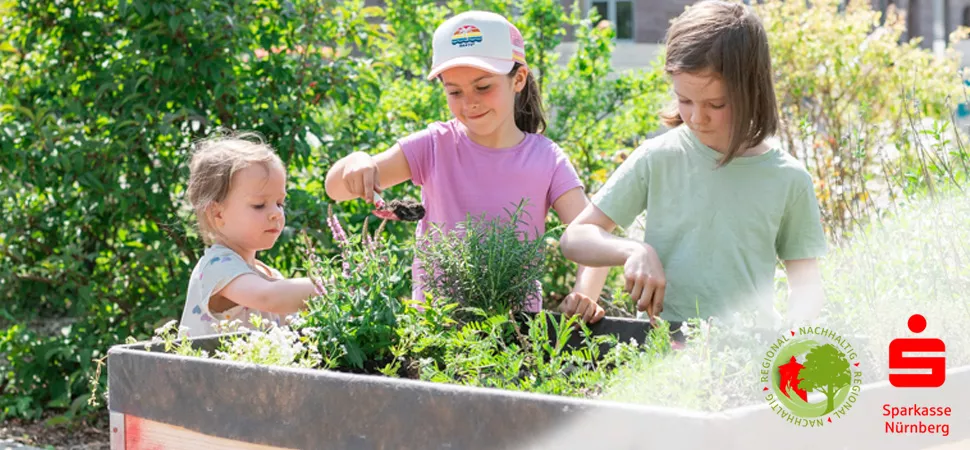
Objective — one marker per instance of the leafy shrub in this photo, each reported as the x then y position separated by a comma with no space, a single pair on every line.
100,102
868,115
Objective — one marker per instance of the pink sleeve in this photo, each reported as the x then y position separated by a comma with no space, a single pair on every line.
418,148
564,177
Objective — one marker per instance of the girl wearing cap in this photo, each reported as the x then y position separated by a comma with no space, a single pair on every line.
489,157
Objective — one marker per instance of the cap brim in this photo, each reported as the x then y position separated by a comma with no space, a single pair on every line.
493,65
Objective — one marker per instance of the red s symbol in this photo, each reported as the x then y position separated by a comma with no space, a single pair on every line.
936,364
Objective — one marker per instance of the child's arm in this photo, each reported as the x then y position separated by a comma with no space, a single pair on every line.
805,297
280,297
589,280
360,175
588,241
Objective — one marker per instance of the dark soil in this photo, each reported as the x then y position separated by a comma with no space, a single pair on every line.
89,434
407,209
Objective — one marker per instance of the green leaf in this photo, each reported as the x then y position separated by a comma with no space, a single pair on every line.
57,420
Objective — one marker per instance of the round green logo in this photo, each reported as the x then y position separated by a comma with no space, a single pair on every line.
810,376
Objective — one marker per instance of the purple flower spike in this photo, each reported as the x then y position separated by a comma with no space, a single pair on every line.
335,228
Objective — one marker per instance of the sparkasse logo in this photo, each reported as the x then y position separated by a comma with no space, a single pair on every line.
925,371
935,364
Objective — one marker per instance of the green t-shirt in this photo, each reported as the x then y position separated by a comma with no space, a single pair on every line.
719,232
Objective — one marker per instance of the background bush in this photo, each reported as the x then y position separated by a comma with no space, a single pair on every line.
869,116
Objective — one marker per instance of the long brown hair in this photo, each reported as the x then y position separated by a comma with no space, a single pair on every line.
729,41
529,116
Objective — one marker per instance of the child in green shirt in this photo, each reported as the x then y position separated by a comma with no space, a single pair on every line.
722,204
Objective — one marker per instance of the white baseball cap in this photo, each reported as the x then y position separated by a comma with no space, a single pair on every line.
479,39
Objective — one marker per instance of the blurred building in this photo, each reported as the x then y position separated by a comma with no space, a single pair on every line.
641,24
646,21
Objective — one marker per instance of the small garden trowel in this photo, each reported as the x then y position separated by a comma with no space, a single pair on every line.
407,210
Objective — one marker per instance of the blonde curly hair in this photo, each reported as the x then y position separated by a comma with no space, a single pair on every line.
214,162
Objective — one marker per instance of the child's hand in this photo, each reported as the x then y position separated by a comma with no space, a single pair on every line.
645,280
579,304
361,176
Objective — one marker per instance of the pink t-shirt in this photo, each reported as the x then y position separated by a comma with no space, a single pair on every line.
459,177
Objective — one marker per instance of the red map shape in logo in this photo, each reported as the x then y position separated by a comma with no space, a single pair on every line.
788,379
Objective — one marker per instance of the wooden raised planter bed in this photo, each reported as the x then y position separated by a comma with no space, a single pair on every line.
162,401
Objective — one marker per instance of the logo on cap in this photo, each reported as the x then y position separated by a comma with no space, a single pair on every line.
518,46
466,36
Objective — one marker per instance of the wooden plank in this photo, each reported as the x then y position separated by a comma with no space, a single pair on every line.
302,408
117,427
144,434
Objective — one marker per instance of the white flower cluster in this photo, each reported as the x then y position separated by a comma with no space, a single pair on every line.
279,346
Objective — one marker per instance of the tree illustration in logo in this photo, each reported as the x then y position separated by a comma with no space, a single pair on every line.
826,370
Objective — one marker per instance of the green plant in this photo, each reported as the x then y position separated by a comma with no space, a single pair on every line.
488,264
421,333
354,313
44,359
492,351
507,351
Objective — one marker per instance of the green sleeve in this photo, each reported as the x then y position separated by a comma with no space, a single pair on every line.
801,235
624,196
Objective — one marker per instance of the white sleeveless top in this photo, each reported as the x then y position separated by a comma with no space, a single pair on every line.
217,268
